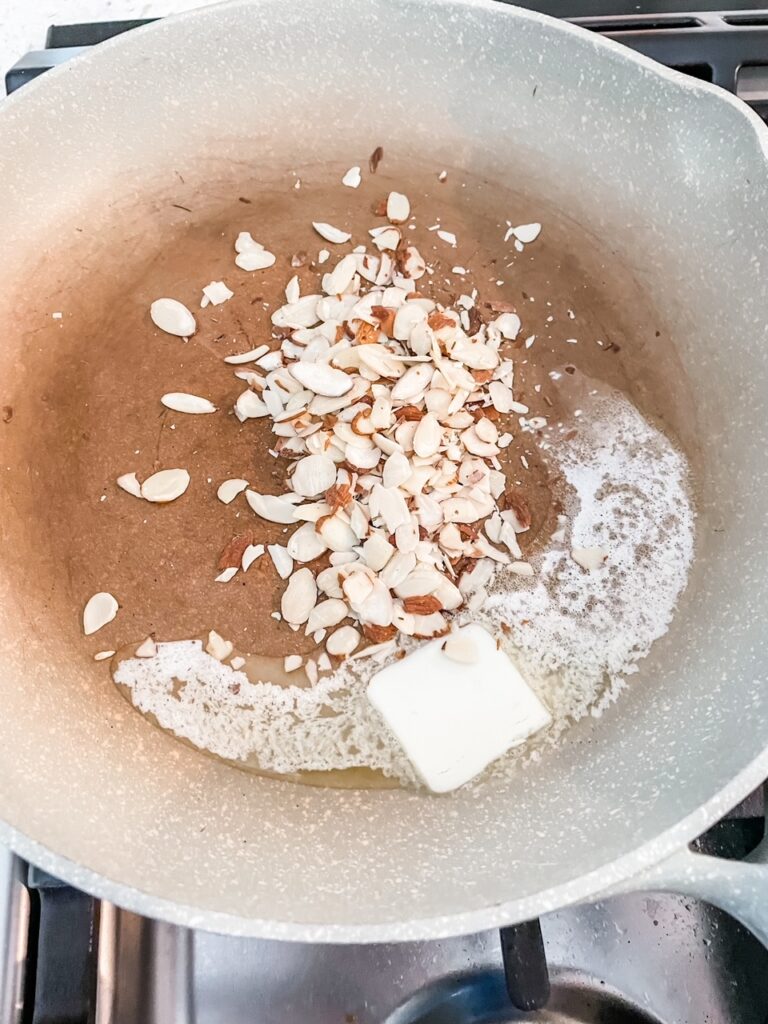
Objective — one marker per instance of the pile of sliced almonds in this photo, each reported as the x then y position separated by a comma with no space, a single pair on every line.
387,407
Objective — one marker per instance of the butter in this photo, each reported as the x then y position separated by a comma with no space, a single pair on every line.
453,717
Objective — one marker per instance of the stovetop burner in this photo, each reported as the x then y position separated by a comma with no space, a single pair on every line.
480,998
634,959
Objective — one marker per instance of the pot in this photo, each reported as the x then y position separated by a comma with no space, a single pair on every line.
669,176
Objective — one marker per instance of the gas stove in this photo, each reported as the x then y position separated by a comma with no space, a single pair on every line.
643,958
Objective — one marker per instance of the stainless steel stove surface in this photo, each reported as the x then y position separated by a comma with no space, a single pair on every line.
639,959
645,958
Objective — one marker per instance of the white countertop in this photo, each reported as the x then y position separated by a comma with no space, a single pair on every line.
23,23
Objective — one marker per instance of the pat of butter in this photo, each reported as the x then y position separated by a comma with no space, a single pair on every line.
453,718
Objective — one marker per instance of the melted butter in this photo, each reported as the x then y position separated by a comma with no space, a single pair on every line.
261,668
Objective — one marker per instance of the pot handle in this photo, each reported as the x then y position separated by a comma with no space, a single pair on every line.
740,887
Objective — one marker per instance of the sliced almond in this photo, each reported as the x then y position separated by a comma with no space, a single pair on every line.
413,263
251,553
451,540
378,634
397,569
413,382
501,396
336,534
103,655
330,233
218,647
339,279
343,642
180,401
299,598
281,560
313,475
165,486
247,357
173,317
245,242
255,259
428,626
297,315
386,317
215,293
389,503
305,545
361,457
424,604
426,440
518,509
508,325
271,508
474,444
357,588
249,406
146,649
377,551
322,379
589,558
129,482
386,239
292,662
407,536
486,430
99,610
525,233
352,178
227,574
397,469
398,208
521,568
462,648
407,317
230,489
326,614
459,510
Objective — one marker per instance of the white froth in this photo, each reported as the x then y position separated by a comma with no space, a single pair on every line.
578,634
584,632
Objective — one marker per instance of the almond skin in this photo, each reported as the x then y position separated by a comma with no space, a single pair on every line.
386,317
408,412
366,334
436,320
232,555
356,424
378,634
423,605
519,506
373,162
338,496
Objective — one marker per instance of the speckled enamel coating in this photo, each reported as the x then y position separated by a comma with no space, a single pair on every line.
673,175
